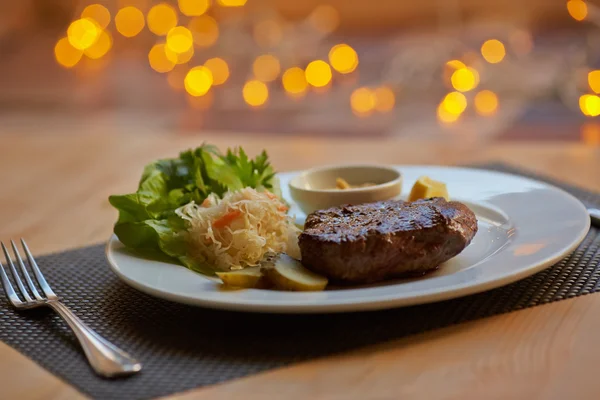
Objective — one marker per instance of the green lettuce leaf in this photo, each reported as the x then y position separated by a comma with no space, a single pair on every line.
147,219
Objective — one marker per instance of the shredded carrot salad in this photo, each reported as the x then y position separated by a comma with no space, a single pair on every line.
239,230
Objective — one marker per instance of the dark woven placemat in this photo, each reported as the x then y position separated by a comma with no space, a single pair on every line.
185,347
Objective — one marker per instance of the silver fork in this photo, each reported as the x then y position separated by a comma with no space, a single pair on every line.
106,359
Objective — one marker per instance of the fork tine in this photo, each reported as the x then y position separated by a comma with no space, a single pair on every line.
32,287
8,288
16,275
38,274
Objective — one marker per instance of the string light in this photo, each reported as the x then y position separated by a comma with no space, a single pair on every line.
464,79
493,51
384,99
266,67
161,59
198,81
577,9
486,103
179,39
594,81
318,73
101,47
65,54
362,101
219,69
205,30
83,33
343,58
129,21
161,19
193,8
255,93
97,13
294,81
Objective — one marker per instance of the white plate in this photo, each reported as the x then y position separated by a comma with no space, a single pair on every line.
524,227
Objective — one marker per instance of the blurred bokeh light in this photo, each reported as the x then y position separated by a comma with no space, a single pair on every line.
98,13
193,8
219,69
294,81
161,19
343,58
204,29
493,51
198,81
318,73
65,54
486,102
266,67
255,92
129,21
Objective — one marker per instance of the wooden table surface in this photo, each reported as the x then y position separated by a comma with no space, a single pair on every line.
54,193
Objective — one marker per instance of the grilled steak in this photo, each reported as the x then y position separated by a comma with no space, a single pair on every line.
372,242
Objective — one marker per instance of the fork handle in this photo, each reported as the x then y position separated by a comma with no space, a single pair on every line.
106,359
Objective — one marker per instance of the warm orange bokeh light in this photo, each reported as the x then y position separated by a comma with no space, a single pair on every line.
294,81
486,103
318,73
179,39
205,30
98,13
182,58
385,99
193,8
161,19
362,101
577,9
464,79
454,103
198,81
594,80
65,54
343,58
255,93
324,18
493,51
445,117
101,47
266,67
83,33
590,105
161,59
129,21
219,69
232,3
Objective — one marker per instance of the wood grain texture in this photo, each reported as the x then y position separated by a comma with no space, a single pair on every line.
54,193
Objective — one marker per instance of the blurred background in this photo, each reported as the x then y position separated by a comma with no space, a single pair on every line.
442,69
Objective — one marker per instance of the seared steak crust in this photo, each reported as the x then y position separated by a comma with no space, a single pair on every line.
372,242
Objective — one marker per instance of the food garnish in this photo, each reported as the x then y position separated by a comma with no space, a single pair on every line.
208,211
244,278
426,188
342,184
290,274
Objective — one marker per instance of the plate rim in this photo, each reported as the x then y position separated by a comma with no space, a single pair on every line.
447,293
